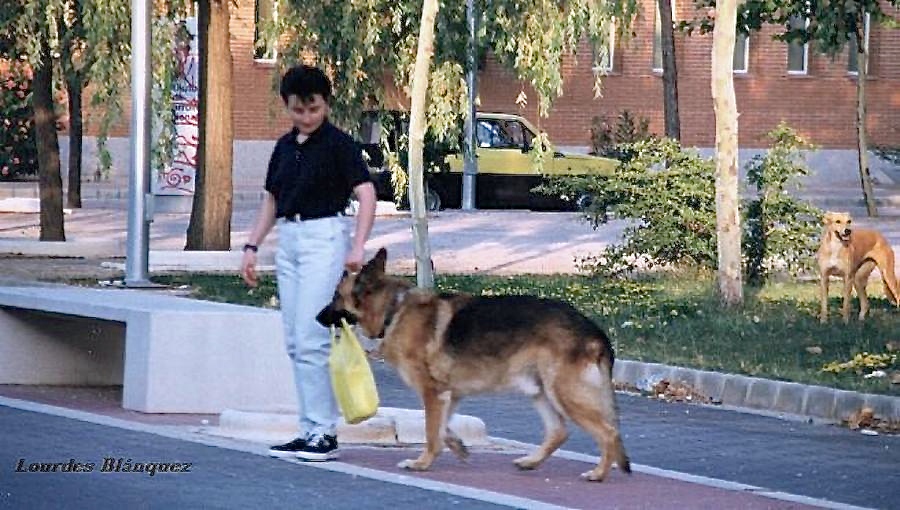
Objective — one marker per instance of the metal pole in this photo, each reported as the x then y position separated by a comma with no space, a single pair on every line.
136,262
470,164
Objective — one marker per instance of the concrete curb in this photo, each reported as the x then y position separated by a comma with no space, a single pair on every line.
202,261
753,393
394,426
390,427
72,248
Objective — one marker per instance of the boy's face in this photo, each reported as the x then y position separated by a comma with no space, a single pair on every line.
308,115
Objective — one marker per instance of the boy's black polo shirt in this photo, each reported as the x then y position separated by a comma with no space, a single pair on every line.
315,179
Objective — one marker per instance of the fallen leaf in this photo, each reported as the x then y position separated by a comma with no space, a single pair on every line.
861,418
814,349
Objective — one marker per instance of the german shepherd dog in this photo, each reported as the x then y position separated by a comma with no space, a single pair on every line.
448,346
853,254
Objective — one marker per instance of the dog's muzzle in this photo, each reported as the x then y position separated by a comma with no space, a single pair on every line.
330,317
844,236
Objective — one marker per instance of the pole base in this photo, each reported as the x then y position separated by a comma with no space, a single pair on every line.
143,284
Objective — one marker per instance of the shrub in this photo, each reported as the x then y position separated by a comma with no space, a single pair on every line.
611,141
18,149
670,193
780,232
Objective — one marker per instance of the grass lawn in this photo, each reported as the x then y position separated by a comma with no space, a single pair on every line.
677,320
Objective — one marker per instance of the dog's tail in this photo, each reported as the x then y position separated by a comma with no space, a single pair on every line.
601,351
622,459
892,296
885,265
889,278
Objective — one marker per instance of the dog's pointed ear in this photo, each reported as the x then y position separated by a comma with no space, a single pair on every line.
377,264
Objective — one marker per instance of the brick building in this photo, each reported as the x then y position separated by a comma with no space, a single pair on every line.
774,81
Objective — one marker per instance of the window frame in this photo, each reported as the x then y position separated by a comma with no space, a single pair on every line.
805,60
268,54
746,58
610,67
657,24
868,32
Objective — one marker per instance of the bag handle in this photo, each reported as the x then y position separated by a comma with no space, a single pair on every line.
335,338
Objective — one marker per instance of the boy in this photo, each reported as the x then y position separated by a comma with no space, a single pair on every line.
312,172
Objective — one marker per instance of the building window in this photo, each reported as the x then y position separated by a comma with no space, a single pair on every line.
264,44
798,54
741,59
852,49
604,57
657,37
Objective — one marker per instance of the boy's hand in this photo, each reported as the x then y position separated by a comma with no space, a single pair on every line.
248,268
354,261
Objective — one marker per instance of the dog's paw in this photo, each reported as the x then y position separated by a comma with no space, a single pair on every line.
527,463
456,446
592,476
413,465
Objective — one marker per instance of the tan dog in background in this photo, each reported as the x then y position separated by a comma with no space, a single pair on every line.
852,254
449,346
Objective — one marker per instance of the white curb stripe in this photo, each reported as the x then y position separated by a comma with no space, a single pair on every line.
178,432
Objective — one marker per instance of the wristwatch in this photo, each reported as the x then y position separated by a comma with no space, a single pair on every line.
251,247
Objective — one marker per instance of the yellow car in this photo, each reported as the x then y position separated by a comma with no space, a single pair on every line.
506,169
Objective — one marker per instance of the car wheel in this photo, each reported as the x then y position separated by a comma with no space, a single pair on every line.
584,202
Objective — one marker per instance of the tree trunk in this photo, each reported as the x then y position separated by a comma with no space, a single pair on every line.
862,60
728,226
424,270
210,224
76,133
50,180
670,70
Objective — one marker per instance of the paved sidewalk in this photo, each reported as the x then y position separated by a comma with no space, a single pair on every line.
497,242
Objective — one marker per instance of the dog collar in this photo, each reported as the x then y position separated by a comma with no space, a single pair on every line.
391,312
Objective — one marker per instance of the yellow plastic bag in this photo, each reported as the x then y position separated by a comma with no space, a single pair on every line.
351,376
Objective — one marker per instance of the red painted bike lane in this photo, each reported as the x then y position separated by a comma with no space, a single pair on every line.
557,482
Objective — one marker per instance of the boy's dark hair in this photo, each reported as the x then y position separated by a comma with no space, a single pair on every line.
304,82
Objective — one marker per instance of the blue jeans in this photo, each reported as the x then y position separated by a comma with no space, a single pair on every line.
310,262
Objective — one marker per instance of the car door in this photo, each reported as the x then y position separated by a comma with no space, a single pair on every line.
504,164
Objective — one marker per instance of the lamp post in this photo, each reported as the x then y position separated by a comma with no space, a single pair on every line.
470,164
139,216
